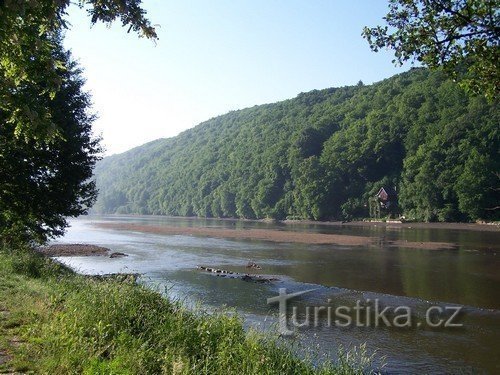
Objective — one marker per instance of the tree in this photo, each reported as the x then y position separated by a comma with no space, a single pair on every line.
463,36
47,151
43,182
27,29
478,188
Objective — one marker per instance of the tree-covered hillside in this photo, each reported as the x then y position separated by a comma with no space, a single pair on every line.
322,155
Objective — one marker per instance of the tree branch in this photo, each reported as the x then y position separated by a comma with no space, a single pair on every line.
493,208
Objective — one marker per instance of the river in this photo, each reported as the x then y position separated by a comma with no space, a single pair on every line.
465,278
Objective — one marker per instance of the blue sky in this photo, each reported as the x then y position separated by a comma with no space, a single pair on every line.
216,56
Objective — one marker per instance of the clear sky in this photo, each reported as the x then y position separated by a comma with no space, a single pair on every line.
220,55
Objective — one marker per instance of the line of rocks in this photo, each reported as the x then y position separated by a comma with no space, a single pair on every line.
245,277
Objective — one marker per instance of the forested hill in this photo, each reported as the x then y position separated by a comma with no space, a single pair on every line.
322,155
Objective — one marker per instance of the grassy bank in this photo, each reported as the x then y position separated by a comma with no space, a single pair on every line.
53,321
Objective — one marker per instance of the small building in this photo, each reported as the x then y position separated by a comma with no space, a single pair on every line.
387,197
384,202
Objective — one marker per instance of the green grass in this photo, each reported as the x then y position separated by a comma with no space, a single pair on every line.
57,322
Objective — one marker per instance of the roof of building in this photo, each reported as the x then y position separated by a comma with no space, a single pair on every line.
388,190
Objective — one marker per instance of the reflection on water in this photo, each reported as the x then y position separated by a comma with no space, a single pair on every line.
468,275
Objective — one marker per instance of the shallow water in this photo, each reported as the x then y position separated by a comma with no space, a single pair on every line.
467,276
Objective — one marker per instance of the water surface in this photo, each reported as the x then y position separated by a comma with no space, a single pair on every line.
467,276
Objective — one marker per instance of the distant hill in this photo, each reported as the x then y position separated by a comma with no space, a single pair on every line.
321,156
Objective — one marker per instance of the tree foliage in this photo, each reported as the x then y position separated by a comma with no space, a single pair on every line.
27,30
44,181
322,155
47,151
463,36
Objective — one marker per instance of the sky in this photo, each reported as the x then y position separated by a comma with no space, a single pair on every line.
216,56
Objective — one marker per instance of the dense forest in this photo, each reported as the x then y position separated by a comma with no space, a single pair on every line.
322,156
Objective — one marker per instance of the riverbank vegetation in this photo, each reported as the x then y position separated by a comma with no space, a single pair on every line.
322,156
53,321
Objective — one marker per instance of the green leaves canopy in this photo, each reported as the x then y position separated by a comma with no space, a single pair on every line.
42,182
463,36
27,31
47,150
322,155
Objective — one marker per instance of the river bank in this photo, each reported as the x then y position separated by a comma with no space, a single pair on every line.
480,226
60,250
55,321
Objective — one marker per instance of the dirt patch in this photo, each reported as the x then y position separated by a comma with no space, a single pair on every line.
423,245
64,250
256,234
4,357
277,236
16,342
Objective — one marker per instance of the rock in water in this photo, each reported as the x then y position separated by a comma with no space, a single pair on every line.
118,255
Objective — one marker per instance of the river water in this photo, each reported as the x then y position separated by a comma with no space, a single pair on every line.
465,279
